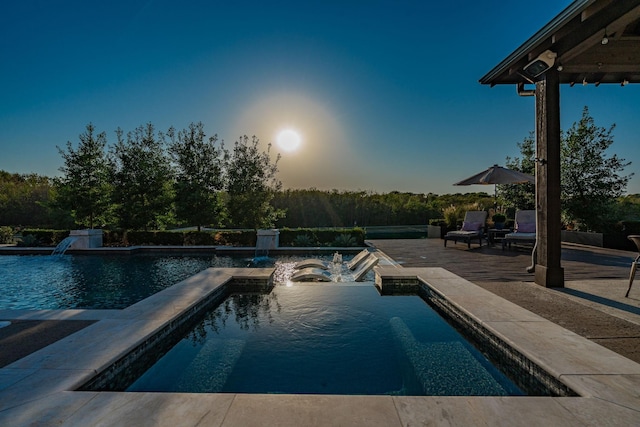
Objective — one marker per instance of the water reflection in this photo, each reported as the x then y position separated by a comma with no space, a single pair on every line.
247,311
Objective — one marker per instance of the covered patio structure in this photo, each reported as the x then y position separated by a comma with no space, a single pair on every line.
590,42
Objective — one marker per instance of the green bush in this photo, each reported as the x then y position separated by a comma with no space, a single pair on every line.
304,241
154,238
29,240
344,240
319,236
113,238
45,237
6,235
236,238
199,238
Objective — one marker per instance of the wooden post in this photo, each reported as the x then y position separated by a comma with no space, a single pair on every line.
548,271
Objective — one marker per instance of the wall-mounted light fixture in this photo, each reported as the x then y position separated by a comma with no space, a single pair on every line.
542,63
605,38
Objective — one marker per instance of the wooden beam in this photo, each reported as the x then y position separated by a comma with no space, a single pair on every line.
548,271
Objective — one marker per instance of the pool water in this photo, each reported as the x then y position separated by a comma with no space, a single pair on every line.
40,282
328,339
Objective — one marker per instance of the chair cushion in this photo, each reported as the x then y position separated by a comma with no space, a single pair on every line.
471,226
526,227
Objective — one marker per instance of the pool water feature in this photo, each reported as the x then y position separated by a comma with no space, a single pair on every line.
324,339
40,282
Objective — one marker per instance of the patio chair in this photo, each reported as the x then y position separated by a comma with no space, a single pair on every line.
634,265
525,229
472,228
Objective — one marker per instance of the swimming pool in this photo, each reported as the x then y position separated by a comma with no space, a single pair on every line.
40,282
324,339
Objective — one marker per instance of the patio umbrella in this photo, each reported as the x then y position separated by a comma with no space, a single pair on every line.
497,175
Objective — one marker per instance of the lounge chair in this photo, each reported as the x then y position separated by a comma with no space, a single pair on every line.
312,274
324,265
472,228
525,229
364,267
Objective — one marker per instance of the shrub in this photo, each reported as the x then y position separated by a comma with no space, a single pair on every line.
344,240
6,235
499,218
29,240
46,237
159,238
303,240
235,238
451,215
196,238
113,238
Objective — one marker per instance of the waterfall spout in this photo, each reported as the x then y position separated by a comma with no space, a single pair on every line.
64,245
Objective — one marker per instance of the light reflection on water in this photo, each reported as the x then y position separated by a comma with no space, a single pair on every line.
42,282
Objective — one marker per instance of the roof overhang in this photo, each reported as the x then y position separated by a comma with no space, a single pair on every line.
573,43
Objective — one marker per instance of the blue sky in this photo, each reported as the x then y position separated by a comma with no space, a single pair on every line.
384,94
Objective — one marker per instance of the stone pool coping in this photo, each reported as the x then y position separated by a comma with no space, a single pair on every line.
38,389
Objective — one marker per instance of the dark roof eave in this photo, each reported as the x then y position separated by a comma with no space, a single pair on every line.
493,77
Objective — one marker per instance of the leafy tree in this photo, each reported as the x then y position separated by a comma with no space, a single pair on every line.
521,196
250,184
591,183
199,178
142,176
591,180
85,188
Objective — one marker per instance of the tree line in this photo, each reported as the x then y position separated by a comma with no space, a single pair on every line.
152,180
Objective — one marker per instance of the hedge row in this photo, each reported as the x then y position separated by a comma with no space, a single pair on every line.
288,237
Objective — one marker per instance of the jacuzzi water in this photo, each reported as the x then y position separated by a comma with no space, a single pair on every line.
328,339
40,282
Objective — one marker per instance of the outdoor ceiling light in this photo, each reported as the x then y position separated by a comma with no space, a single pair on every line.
605,38
541,64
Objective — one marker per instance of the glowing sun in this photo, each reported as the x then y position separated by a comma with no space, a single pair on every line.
288,140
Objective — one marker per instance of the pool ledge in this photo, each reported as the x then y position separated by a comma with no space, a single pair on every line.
39,388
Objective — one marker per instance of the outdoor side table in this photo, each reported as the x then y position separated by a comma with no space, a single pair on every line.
495,234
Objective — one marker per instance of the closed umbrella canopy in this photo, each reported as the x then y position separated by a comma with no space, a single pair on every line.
497,175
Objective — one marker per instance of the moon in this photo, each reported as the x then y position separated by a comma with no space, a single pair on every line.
288,140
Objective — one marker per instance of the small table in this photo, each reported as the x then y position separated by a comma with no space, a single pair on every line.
495,234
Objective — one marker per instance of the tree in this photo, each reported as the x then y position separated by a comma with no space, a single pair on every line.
250,184
142,176
84,188
199,177
521,196
591,180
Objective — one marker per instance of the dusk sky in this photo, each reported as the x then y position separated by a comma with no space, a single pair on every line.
384,95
